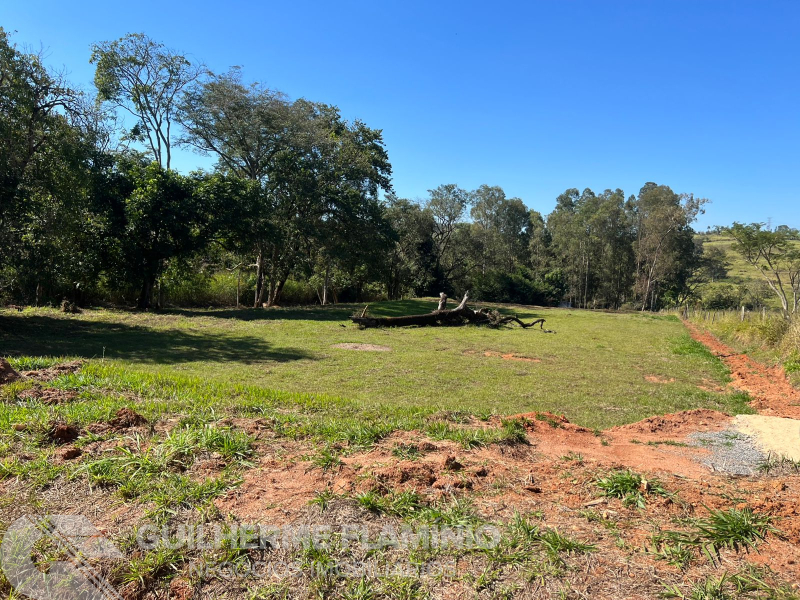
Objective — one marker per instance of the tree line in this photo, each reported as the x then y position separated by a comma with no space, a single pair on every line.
299,206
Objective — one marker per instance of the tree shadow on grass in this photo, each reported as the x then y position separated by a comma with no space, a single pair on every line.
38,335
333,312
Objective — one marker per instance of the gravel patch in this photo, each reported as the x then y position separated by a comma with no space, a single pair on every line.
730,451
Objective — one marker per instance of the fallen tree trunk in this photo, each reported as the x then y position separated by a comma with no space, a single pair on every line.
461,315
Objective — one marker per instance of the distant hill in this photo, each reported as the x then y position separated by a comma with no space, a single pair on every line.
740,273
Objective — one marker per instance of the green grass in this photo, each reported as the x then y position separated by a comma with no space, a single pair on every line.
630,487
731,529
592,370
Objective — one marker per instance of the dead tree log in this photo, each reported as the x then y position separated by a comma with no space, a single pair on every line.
460,315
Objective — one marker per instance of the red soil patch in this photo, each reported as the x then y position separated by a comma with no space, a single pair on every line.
771,390
555,475
281,486
68,453
61,433
513,357
125,418
675,424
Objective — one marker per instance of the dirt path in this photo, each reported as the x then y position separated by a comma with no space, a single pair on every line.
772,393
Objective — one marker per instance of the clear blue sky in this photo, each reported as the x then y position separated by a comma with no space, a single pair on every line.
536,97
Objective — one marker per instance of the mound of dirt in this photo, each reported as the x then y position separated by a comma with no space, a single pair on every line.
363,347
126,418
68,453
48,395
55,371
7,372
61,433
677,424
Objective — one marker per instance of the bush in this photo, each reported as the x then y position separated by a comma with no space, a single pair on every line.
204,289
297,293
721,296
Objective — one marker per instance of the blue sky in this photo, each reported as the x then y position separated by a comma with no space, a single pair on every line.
536,97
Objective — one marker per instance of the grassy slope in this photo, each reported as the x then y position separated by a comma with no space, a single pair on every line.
739,271
593,369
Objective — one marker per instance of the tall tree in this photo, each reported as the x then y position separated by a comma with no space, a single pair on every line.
410,262
447,204
501,227
320,176
775,255
664,244
146,79
46,153
244,126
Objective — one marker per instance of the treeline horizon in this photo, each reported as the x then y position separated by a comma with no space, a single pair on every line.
299,208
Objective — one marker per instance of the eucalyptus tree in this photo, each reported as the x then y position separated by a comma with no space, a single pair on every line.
501,227
145,78
664,245
447,204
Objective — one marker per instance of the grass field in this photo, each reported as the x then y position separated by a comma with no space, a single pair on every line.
229,418
599,369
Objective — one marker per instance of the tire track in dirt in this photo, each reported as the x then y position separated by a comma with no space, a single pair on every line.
771,390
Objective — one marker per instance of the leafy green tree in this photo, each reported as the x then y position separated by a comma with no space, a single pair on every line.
50,147
159,216
447,204
320,177
664,246
146,79
500,226
244,126
410,266
775,255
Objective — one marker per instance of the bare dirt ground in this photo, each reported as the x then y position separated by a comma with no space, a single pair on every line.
771,390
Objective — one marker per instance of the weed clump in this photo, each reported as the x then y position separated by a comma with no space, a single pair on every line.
630,487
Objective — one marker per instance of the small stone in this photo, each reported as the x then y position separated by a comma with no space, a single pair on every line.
20,427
